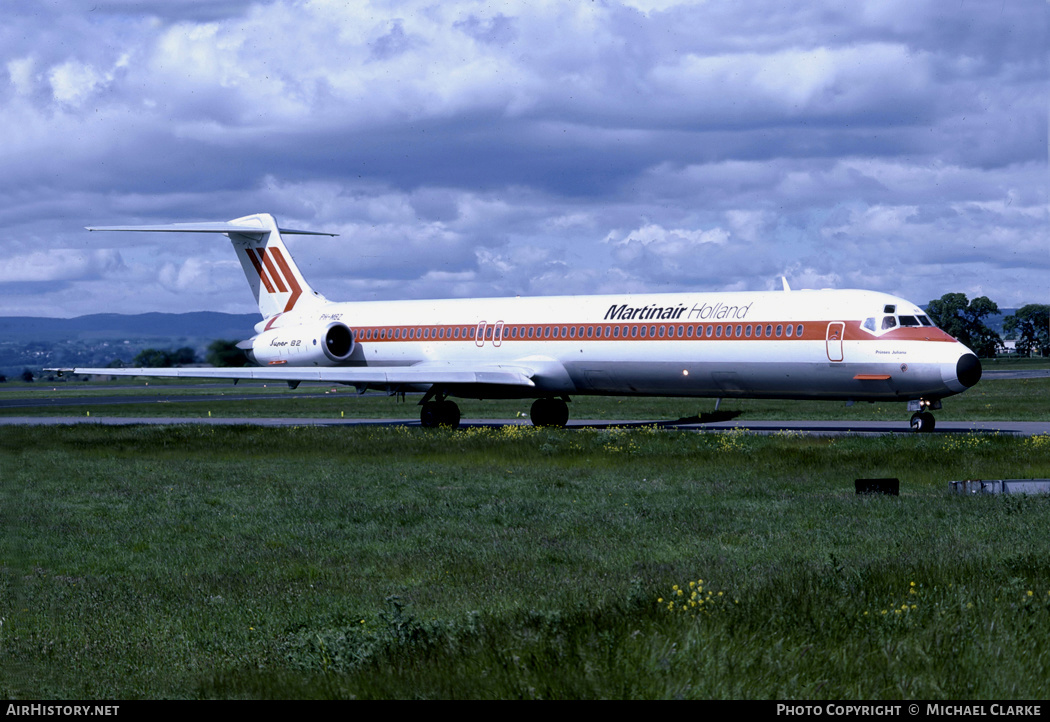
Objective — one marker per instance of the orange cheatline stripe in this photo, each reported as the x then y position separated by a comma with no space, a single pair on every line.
815,332
631,331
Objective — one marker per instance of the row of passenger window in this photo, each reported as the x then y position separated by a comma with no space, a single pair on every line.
412,333
500,332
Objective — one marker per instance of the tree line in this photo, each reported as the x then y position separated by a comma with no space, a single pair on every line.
220,353
964,319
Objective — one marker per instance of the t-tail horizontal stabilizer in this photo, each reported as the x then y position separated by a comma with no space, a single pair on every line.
276,281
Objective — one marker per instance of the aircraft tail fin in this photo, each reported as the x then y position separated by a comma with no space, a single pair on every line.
276,282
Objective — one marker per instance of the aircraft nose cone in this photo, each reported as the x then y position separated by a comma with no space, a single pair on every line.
968,370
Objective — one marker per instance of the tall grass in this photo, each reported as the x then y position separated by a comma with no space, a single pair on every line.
199,561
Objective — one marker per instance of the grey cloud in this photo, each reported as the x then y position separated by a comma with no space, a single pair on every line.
394,42
466,150
498,29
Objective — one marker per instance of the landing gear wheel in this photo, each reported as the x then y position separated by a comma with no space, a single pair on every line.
549,412
439,413
923,422
449,412
429,416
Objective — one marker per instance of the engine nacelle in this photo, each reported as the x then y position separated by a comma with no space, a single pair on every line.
328,345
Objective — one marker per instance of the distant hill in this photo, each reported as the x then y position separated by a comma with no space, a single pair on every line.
98,339
996,322
117,325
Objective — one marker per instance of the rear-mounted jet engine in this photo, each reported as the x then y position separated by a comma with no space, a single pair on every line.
329,345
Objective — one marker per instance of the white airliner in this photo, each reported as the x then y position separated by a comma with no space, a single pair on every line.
830,344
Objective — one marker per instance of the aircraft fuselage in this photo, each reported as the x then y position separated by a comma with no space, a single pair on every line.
832,344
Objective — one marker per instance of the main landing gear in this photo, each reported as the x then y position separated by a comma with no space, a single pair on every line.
439,413
442,412
437,410
549,412
922,420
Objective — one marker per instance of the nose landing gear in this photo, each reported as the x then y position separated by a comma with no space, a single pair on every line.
922,420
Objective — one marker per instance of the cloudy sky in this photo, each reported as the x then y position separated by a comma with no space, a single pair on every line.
466,148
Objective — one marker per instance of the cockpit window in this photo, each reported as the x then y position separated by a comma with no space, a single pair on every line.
892,321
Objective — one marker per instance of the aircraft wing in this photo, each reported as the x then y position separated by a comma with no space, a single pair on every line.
422,374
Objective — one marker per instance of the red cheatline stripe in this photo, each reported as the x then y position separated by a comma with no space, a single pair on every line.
627,332
812,331
871,377
511,332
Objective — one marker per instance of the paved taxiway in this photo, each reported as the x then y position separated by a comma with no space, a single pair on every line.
817,428
36,403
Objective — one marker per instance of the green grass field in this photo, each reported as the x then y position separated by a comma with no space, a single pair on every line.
378,562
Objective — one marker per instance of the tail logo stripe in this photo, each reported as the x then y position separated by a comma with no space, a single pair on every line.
273,271
259,269
289,276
